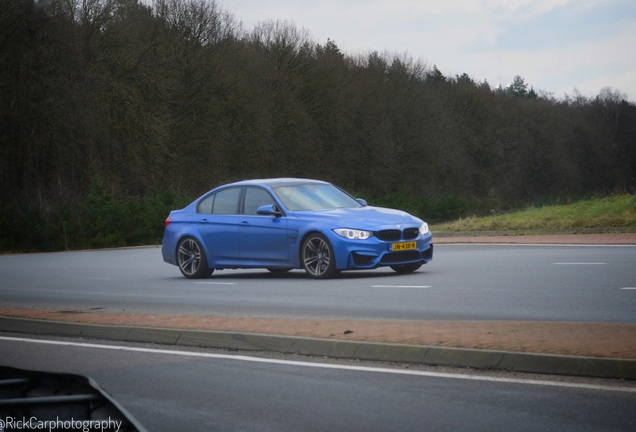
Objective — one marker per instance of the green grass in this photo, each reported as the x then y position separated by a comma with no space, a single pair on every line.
616,212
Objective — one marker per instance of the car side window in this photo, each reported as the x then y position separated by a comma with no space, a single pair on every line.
226,201
255,198
205,206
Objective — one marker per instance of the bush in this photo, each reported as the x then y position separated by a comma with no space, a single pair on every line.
110,221
431,209
97,220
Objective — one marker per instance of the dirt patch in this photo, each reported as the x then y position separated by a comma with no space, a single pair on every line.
578,339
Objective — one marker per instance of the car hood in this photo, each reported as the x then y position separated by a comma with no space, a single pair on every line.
367,217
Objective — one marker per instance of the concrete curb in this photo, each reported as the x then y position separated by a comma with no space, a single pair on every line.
399,353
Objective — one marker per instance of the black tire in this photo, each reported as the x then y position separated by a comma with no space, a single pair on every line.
318,258
191,259
406,268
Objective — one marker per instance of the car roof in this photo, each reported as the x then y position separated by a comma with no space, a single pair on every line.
275,182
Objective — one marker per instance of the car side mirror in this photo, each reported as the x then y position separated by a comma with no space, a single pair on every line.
269,209
362,201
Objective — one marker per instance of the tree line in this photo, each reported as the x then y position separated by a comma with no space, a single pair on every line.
113,112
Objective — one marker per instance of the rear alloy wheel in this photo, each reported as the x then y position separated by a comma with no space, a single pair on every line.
318,258
406,268
191,259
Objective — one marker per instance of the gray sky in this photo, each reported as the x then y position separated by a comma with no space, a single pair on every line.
557,46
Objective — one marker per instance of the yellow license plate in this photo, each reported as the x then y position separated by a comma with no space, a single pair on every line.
403,246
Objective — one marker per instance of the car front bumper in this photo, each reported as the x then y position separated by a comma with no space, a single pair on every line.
357,255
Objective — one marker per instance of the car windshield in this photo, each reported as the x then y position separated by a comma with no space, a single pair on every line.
314,197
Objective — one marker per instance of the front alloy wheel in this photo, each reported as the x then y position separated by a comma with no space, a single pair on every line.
318,258
191,259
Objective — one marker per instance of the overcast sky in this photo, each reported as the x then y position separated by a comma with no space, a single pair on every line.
557,46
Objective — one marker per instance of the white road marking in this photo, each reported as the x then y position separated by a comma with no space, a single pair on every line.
580,263
628,288
323,365
401,286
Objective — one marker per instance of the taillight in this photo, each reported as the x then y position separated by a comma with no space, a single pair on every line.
166,223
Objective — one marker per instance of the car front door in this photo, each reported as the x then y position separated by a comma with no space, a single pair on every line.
261,237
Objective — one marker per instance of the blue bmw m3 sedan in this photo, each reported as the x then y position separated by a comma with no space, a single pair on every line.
288,223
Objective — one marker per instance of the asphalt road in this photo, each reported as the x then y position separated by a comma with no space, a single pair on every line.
464,282
206,391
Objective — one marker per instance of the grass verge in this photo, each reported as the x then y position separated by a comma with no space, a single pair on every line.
615,213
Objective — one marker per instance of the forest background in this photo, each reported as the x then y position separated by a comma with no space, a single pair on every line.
114,112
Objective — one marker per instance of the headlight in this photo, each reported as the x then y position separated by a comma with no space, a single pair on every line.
353,234
424,228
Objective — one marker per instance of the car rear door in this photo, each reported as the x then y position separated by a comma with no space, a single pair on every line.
217,219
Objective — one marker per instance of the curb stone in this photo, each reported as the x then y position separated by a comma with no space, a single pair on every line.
398,353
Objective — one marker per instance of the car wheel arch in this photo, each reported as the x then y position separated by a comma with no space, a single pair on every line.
186,235
303,239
